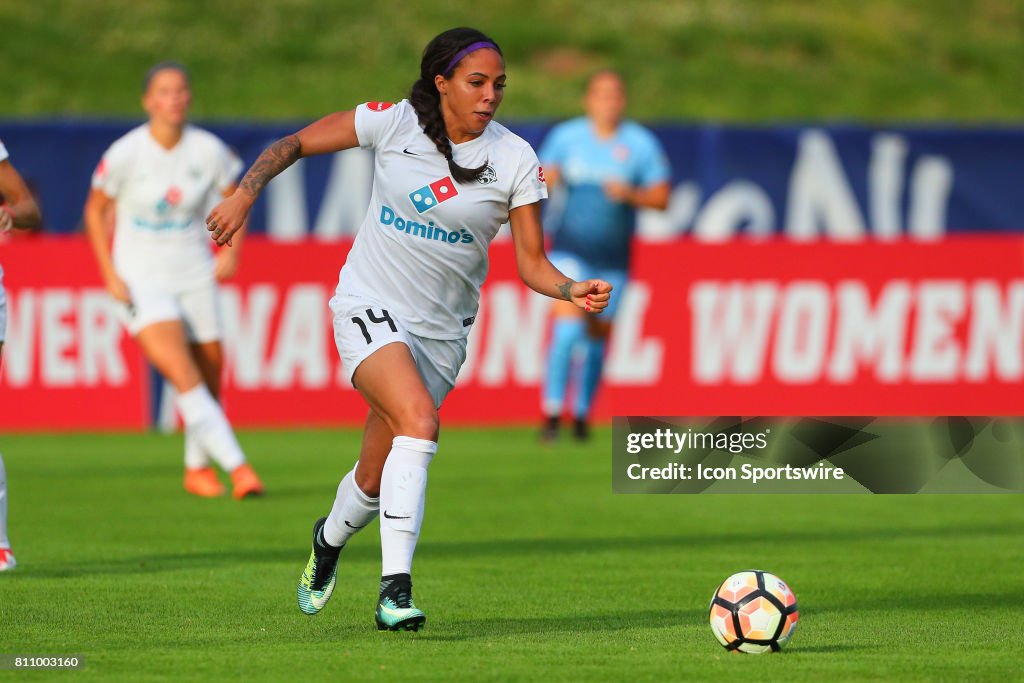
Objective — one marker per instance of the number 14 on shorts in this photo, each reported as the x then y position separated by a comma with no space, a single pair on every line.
372,317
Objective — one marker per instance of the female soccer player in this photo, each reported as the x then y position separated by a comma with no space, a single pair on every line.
160,179
17,210
445,178
609,168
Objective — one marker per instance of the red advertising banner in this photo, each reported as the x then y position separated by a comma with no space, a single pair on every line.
868,328
775,328
67,363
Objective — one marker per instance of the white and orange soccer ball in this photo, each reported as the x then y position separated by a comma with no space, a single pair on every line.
754,612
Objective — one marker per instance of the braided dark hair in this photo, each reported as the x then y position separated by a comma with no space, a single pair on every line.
426,99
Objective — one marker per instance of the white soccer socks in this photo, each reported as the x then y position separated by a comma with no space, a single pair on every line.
206,424
195,456
403,490
4,541
352,510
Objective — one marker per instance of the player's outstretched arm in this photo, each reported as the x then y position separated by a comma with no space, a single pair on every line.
332,133
20,209
97,217
540,275
651,197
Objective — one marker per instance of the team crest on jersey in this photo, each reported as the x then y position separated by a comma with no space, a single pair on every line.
437,192
488,176
379,106
172,198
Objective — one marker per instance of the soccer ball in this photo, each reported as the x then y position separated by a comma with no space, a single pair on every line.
753,612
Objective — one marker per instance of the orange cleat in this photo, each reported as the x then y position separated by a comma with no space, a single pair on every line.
7,561
246,482
203,481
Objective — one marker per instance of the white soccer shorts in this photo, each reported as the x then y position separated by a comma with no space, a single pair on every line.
362,326
198,308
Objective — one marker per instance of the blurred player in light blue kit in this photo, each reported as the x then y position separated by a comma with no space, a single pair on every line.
607,168
18,209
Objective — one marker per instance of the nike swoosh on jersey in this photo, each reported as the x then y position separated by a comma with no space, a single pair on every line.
412,154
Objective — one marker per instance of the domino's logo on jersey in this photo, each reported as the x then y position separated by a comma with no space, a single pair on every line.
437,192
426,231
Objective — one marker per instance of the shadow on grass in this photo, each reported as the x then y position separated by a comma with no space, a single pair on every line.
475,629
823,649
535,547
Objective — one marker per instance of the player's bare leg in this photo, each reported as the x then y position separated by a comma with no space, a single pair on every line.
167,348
356,504
399,439
7,560
394,389
6,556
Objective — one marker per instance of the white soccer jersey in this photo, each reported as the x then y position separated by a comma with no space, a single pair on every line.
162,198
422,247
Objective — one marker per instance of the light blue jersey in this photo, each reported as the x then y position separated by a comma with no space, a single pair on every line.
592,226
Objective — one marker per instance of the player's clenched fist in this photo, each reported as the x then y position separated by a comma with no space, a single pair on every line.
591,295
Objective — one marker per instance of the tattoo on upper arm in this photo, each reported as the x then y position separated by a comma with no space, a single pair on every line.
565,289
274,159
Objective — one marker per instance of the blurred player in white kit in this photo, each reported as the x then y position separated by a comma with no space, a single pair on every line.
160,179
18,210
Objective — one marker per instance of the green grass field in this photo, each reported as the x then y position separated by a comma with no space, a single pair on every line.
529,568
737,60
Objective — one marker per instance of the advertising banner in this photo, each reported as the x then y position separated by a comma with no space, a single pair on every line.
837,182
744,328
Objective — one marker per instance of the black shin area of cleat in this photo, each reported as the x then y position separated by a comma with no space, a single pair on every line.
320,543
393,584
326,556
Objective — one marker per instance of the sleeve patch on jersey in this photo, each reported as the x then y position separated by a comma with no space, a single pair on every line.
379,106
540,175
101,169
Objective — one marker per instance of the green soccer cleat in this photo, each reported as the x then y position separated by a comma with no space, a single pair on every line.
395,609
320,574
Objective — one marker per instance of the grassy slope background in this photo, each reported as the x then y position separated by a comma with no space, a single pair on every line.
732,60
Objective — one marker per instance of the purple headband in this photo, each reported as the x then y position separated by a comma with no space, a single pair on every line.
465,51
